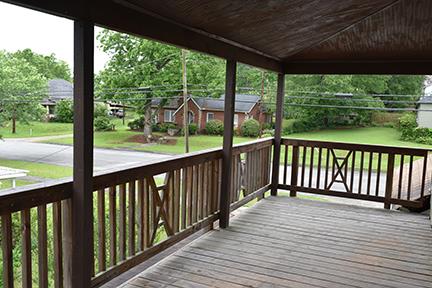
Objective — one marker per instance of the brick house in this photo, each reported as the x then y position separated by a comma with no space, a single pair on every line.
202,110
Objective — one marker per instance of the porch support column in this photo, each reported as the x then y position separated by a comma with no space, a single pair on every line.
82,207
230,87
277,134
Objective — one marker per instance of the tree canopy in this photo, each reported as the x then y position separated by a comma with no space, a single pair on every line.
20,88
46,65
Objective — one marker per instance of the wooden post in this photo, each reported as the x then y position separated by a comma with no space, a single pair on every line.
230,86
277,134
389,180
82,198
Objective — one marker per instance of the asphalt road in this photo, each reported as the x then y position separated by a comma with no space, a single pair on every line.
105,159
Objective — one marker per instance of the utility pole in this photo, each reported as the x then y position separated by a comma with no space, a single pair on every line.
185,104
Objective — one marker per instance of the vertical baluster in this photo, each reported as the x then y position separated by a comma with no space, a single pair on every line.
370,172
353,164
147,219
42,246
26,249
6,239
140,215
410,175
294,170
58,246
122,221
101,229
389,181
361,172
215,175
183,198
194,193
189,195
311,168
209,190
318,180
131,218
327,168
378,174
285,165
205,189
303,166
401,168
423,181
113,225
177,192
233,182
200,190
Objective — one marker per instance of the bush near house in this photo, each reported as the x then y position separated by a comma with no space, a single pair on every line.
136,124
103,123
214,127
64,111
250,128
290,126
411,132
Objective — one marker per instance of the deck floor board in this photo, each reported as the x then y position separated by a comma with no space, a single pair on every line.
290,242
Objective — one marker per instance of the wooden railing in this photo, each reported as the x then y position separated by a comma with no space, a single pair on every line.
138,212
391,175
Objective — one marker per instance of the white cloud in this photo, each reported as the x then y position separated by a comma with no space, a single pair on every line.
22,28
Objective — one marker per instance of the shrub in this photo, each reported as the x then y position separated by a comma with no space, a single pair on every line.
103,123
407,124
163,127
64,111
410,132
268,133
214,127
250,128
193,128
290,126
137,124
100,110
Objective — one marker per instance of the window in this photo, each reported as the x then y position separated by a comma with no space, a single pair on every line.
210,116
169,116
236,120
191,117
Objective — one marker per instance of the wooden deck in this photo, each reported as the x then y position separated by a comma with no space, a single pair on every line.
290,242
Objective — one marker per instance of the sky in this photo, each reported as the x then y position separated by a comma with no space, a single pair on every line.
45,34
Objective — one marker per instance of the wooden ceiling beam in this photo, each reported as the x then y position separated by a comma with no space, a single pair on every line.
414,67
120,18
343,29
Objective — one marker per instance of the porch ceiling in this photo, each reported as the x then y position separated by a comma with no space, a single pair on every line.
294,36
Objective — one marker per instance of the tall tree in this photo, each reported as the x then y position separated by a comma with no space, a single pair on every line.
47,65
137,63
20,89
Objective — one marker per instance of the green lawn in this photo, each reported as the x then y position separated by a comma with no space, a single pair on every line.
196,143
36,129
372,135
6,184
39,169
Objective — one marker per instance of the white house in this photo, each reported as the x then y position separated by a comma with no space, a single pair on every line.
424,118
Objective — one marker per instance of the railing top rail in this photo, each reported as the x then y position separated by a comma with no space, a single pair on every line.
359,147
33,195
29,196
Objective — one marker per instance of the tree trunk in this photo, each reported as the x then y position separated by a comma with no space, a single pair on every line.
13,124
147,122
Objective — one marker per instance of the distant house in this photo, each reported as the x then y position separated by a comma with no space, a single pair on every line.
58,89
424,118
202,110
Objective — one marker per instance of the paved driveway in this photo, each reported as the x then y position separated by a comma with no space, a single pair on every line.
62,155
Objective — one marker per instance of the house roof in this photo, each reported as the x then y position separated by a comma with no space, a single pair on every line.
425,100
243,103
321,37
171,103
59,89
